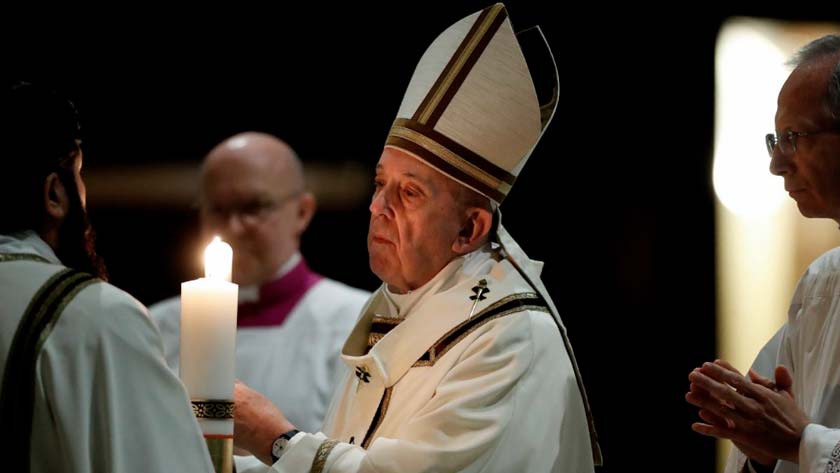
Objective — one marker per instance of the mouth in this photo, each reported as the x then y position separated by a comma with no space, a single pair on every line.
380,240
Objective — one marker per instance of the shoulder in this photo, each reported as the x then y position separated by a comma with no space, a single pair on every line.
339,289
532,326
821,278
105,296
828,261
509,310
518,347
516,325
166,309
331,299
102,311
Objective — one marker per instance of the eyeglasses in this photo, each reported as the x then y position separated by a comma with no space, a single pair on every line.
786,143
249,212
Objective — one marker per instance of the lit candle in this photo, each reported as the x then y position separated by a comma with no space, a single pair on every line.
208,340
218,260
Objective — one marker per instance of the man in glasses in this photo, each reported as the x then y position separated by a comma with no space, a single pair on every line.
84,388
291,321
785,416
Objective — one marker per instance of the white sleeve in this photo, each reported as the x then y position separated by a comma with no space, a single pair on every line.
770,356
250,464
819,450
736,460
111,394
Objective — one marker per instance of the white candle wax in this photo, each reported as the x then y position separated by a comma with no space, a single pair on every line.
208,335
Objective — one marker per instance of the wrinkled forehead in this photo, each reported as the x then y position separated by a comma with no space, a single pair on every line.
398,161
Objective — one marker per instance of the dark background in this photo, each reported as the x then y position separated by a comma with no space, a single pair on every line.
616,199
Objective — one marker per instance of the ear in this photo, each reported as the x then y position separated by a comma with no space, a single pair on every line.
305,211
56,205
56,201
474,232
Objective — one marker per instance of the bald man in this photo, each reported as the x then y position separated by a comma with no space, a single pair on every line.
291,322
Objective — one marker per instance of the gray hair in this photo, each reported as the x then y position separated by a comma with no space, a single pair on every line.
816,50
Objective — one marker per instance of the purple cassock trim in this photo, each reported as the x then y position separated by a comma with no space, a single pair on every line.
278,298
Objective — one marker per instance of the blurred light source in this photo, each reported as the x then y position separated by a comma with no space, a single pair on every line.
749,72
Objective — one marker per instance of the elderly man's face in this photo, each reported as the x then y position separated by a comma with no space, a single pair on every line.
812,171
245,201
414,221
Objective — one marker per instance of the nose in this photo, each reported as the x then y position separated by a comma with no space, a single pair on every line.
230,225
82,193
380,203
781,163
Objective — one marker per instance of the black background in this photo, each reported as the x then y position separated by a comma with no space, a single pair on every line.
617,198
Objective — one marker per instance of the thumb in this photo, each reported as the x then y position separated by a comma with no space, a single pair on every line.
784,381
758,379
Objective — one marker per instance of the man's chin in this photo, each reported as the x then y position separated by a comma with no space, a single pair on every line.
808,210
383,267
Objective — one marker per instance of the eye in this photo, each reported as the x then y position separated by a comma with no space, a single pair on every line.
217,212
253,207
409,192
378,184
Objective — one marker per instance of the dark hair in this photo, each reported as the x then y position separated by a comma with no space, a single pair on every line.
816,50
40,134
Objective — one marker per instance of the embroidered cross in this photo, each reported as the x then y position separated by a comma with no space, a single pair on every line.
363,374
480,290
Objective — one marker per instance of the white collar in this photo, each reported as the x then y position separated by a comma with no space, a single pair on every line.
251,292
27,242
401,305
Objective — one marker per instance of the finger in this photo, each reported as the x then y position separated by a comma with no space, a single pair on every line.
715,419
714,406
700,397
710,430
758,379
696,389
700,394
693,388
725,394
743,385
700,400
710,385
728,366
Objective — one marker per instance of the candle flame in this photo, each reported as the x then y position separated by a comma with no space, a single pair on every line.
218,260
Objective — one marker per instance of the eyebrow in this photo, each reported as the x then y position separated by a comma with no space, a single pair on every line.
426,182
410,174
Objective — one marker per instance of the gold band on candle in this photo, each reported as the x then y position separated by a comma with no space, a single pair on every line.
212,409
221,453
